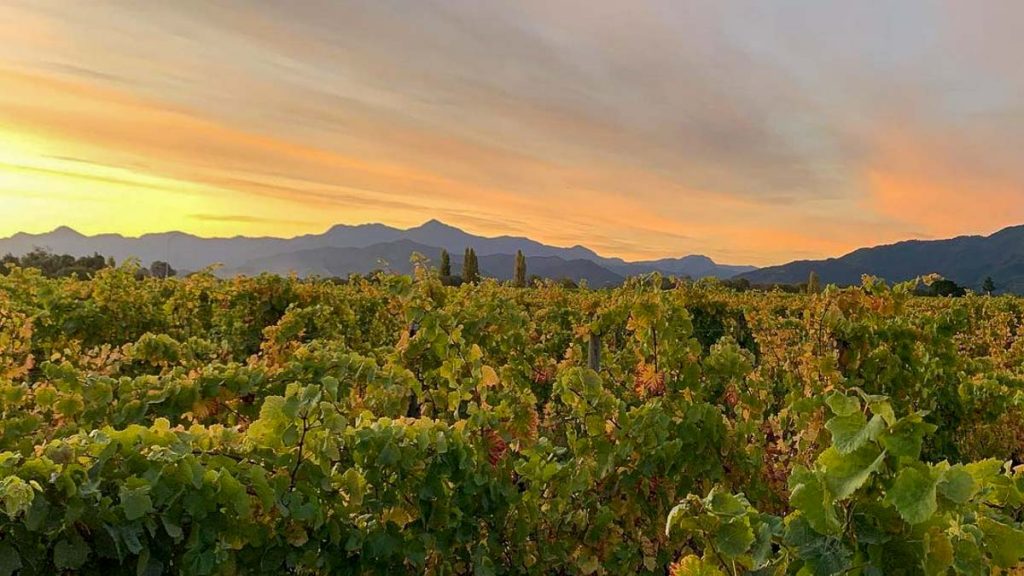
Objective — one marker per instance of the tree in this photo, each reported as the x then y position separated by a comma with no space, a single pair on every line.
944,287
446,264
161,269
988,286
519,276
56,265
470,267
737,284
813,283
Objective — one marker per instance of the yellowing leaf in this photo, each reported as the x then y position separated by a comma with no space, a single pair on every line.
488,377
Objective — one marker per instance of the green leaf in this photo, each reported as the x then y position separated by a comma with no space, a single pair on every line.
938,552
958,485
143,563
260,485
233,493
734,539
722,503
268,429
130,534
822,554
851,432
845,473
683,517
906,437
1004,543
389,456
135,502
10,561
984,471
17,495
761,551
173,529
809,495
884,409
843,405
70,554
913,495
967,557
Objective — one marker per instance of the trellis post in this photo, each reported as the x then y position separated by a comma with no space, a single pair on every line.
594,352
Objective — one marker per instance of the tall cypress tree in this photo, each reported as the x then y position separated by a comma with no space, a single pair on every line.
813,283
446,264
519,276
470,267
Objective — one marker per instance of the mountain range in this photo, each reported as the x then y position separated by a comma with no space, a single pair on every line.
359,249
966,260
344,250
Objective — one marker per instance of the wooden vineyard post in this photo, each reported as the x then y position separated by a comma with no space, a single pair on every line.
594,353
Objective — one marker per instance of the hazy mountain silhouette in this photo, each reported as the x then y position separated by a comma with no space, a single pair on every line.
396,256
695,266
967,260
345,249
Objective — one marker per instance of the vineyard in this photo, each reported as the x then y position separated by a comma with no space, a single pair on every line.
394,425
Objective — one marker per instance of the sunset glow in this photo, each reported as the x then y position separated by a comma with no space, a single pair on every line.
754,133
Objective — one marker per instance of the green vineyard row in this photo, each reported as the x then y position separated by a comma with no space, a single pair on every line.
273,425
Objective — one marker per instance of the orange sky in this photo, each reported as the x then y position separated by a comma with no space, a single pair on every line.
661,128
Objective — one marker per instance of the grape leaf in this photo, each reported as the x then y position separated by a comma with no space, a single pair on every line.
853,431
845,473
734,538
136,502
809,495
70,554
913,495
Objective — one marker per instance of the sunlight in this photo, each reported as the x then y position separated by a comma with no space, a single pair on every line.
39,177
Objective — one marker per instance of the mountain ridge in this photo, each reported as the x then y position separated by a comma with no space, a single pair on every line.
965,259
395,256
248,254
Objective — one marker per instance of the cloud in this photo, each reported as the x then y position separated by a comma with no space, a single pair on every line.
751,131
244,219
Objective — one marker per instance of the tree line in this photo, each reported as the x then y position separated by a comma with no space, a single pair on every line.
933,285
471,269
82,267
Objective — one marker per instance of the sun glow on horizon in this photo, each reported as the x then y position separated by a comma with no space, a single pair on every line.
657,131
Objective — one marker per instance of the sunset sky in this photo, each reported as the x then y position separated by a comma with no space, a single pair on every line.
754,132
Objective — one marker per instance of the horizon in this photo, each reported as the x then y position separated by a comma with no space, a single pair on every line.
448,225
324,231
751,134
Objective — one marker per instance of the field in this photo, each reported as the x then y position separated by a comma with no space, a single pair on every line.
395,425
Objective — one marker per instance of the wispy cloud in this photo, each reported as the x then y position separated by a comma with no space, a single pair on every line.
754,132
245,219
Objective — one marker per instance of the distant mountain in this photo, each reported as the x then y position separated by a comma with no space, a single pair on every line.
337,261
441,235
967,260
396,256
347,249
692,266
501,266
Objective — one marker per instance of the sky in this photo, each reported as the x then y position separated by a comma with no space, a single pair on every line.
753,132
